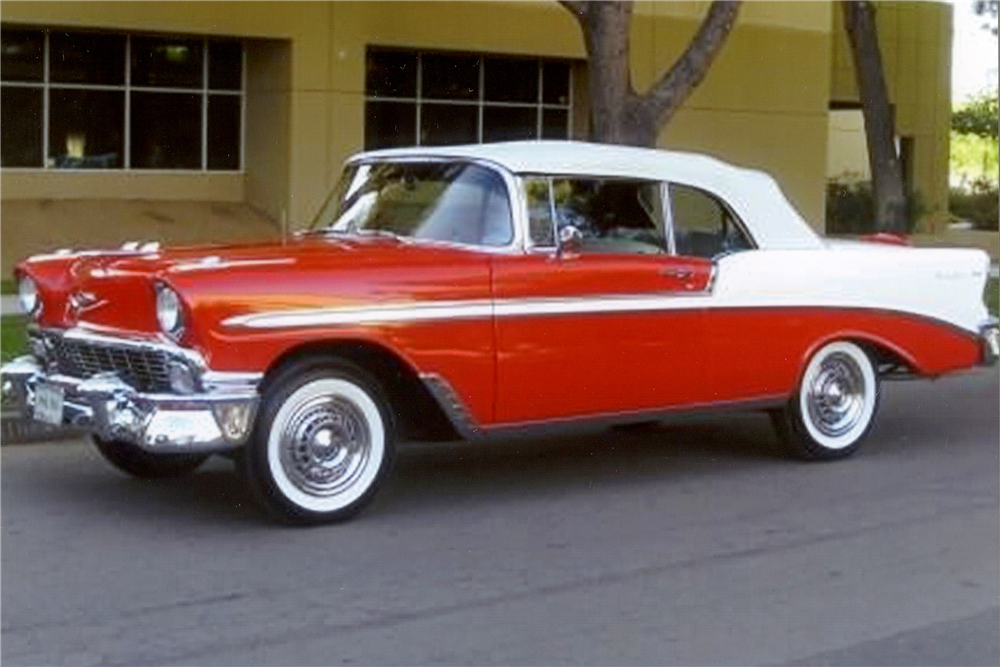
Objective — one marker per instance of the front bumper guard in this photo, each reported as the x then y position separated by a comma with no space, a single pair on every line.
159,423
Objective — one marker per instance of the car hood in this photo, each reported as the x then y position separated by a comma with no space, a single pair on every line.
116,289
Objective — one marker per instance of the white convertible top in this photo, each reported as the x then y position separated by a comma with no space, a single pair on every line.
754,196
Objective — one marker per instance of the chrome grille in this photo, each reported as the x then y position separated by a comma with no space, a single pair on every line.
144,369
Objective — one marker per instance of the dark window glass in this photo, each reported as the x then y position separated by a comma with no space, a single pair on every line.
22,58
455,202
508,80
391,74
87,58
86,129
702,225
555,83
614,216
224,132
225,65
509,123
555,124
442,124
20,126
166,131
450,77
390,124
539,212
168,63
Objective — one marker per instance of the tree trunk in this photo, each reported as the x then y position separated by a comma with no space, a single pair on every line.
618,115
887,177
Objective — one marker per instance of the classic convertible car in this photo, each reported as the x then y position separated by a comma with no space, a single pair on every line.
477,290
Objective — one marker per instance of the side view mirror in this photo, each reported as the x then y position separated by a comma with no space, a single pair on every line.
570,241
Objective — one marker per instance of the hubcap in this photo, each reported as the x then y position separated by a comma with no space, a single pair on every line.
836,395
325,445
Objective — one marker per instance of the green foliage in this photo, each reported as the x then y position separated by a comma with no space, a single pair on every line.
977,116
13,336
973,158
850,208
8,286
977,204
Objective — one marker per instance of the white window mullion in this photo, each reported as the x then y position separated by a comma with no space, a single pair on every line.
420,85
45,102
541,83
127,162
204,105
482,97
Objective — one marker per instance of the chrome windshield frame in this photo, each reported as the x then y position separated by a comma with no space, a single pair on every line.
515,200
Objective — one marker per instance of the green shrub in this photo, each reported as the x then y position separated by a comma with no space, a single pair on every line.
850,208
976,203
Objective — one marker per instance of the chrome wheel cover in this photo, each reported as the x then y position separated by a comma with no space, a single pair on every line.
837,395
325,444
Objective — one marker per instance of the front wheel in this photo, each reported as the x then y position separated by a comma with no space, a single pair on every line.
139,463
323,444
835,405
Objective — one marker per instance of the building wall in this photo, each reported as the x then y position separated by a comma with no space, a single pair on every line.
915,39
763,104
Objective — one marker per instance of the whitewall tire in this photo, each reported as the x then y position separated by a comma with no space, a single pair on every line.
834,406
323,443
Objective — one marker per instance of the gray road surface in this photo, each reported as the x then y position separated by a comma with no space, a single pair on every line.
693,543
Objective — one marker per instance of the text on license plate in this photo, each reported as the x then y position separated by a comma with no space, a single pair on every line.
49,404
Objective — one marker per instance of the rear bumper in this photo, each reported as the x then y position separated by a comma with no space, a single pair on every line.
163,423
989,334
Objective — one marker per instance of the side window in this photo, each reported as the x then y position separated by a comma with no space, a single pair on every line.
540,229
613,215
703,226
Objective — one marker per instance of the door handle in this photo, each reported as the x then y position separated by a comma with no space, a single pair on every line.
680,274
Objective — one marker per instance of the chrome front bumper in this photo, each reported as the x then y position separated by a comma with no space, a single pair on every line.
215,420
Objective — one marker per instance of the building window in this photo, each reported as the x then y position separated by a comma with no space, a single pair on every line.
89,100
430,99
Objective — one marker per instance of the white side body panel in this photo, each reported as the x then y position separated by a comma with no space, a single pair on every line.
943,284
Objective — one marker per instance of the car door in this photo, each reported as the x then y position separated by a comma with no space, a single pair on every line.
614,327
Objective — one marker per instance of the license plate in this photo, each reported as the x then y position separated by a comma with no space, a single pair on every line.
993,338
49,404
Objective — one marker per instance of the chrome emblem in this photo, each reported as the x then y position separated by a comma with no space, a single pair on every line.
81,301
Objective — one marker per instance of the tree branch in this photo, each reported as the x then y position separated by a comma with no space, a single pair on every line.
577,8
664,98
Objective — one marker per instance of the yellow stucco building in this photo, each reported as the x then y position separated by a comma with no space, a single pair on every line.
260,102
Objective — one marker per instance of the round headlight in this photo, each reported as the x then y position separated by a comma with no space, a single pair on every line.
27,295
168,310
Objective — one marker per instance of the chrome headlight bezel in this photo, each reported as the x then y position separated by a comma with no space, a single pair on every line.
169,311
28,297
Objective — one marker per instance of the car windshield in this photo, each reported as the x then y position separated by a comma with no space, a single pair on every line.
445,201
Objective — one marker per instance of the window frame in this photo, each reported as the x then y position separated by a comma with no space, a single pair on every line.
480,103
664,207
515,201
668,204
204,91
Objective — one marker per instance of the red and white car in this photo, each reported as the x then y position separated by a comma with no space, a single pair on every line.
478,290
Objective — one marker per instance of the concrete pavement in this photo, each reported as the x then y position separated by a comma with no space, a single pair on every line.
690,543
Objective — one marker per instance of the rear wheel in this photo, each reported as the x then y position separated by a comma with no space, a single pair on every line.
139,463
835,405
323,443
